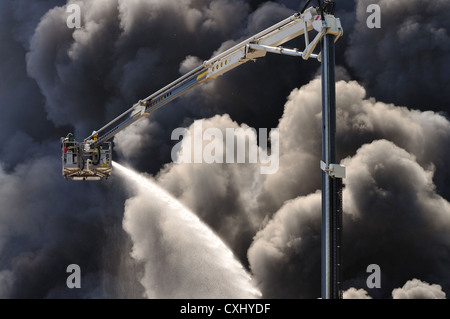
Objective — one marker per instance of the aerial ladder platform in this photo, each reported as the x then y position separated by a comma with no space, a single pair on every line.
91,159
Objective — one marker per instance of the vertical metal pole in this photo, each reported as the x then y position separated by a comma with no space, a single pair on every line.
331,187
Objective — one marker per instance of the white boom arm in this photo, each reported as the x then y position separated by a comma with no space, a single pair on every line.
253,48
91,159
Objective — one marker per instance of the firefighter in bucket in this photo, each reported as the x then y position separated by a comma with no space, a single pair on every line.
69,143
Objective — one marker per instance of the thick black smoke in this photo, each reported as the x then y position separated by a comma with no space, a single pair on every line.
23,121
123,53
407,60
55,79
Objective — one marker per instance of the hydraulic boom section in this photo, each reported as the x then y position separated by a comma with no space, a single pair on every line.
91,159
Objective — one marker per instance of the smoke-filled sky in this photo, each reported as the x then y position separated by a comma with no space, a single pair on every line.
393,134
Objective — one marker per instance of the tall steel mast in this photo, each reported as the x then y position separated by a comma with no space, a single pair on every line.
332,174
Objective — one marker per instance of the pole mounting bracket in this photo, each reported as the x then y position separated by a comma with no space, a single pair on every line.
333,170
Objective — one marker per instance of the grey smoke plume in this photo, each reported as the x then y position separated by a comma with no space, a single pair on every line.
48,224
416,289
406,61
56,80
123,53
399,226
412,289
353,293
383,177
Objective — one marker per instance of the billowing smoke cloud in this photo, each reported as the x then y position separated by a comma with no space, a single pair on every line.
23,119
353,293
46,225
407,59
285,255
124,52
360,121
416,289
389,199
412,289
224,195
405,237
57,79
402,226
127,50
380,173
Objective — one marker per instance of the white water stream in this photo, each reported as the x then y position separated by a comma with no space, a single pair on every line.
183,257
